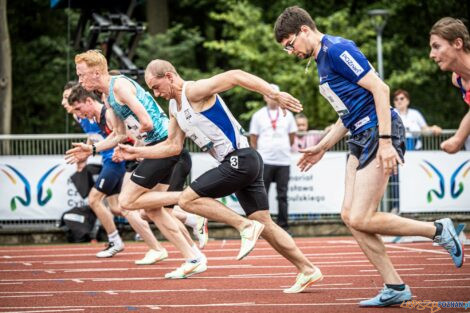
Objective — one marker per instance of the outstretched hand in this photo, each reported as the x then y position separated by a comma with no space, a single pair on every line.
124,152
310,157
286,101
79,153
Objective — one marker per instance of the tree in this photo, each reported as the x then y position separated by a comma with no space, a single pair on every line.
5,72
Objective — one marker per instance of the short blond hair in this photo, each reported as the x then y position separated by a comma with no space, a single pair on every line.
158,68
93,58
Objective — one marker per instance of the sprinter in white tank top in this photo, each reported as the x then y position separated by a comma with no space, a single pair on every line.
197,111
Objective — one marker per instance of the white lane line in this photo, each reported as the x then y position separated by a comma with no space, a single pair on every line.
27,296
293,274
110,292
7,257
44,311
449,279
237,304
218,251
398,269
27,264
12,283
416,249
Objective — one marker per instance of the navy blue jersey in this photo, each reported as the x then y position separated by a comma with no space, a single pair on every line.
340,66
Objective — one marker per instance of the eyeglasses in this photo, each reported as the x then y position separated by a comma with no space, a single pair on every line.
399,98
290,46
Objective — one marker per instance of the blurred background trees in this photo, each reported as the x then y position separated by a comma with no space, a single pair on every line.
204,37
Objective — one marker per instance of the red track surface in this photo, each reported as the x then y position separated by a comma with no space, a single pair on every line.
68,278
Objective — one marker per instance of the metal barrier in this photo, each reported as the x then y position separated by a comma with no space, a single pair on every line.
57,144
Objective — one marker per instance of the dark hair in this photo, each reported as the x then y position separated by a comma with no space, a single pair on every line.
450,29
70,84
290,21
79,94
300,115
401,92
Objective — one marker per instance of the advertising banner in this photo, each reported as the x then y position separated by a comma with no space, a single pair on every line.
36,187
435,181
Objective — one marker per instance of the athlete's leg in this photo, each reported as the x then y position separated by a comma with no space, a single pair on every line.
95,199
371,244
282,242
214,210
369,187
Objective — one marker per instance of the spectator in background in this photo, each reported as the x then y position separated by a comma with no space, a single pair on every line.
272,134
414,122
302,138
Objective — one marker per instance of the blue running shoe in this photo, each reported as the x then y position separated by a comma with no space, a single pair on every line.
387,297
450,241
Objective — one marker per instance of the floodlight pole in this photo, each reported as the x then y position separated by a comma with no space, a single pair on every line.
379,19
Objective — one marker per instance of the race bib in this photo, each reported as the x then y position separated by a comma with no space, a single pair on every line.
199,139
133,127
333,99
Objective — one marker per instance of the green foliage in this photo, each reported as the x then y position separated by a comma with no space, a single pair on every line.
210,36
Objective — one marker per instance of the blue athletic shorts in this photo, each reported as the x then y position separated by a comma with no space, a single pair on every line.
110,179
364,145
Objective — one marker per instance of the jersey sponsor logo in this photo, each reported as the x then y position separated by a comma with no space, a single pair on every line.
101,182
361,122
187,114
351,63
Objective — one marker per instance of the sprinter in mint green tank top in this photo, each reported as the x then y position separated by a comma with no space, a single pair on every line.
158,116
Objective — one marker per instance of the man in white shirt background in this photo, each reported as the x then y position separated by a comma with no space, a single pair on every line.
272,133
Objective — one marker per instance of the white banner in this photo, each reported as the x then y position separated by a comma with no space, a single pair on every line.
36,187
435,181
320,190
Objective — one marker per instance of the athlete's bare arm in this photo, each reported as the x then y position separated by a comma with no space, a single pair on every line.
171,146
206,88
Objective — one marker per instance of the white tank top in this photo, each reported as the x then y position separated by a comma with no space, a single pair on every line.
214,130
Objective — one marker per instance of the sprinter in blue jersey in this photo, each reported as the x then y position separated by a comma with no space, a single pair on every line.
377,145
136,110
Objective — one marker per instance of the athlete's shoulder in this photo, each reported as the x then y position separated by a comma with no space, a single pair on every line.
337,45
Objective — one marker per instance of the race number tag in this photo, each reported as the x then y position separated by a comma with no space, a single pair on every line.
333,99
133,127
199,139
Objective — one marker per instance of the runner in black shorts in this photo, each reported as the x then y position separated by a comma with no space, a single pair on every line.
200,114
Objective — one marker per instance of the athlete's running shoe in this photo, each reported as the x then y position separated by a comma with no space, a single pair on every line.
303,281
153,256
187,269
201,231
388,296
450,241
110,250
249,237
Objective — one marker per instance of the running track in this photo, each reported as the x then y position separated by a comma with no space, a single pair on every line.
68,278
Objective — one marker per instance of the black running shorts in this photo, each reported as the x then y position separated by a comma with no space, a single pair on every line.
241,172
364,145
